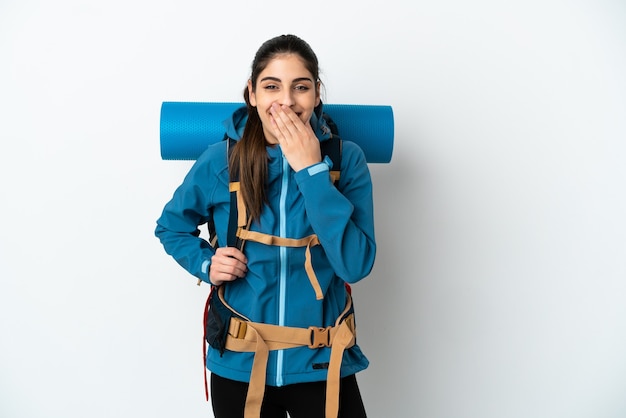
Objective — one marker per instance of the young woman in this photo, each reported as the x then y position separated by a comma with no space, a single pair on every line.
290,346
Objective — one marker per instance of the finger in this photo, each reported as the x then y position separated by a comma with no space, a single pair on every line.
290,117
294,120
227,268
216,277
230,261
232,252
226,272
286,120
276,129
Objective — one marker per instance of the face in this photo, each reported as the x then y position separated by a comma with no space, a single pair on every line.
284,81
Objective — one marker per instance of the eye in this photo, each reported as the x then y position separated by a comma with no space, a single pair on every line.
302,87
270,87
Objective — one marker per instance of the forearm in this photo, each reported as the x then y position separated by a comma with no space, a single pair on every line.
189,250
344,227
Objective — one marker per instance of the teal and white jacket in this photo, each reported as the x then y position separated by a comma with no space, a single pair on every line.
276,289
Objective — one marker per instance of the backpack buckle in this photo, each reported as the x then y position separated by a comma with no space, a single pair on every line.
237,328
320,337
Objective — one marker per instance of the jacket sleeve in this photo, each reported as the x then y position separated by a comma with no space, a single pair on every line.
177,228
343,216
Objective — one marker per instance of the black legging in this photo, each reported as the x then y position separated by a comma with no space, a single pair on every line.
301,400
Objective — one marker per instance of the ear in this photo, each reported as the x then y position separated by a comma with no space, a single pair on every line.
251,94
318,87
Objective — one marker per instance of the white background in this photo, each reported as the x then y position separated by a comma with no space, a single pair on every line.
500,284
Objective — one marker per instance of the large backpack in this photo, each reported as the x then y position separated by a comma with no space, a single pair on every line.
217,313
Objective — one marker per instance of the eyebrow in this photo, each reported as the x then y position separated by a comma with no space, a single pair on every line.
296,80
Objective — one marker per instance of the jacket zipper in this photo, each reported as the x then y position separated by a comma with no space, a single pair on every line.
283,267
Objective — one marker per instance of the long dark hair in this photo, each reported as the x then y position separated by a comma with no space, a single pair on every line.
249,156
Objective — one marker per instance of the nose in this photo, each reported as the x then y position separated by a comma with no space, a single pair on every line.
287,98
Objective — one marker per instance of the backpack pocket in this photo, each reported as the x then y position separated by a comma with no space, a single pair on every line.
217,323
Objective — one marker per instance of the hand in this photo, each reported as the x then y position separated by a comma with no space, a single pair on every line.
227,264
297,139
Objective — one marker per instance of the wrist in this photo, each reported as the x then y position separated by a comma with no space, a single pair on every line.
211,282
319,167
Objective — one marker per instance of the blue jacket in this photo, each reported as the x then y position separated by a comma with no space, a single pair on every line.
276,289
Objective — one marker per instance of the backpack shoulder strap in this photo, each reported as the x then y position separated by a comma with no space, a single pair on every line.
211,222
331,148
232,240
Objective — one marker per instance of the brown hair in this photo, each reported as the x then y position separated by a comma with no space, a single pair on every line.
249,156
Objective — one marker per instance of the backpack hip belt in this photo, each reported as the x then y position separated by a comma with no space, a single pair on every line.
246,336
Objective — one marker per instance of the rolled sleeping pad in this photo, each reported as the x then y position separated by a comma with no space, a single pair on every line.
188,128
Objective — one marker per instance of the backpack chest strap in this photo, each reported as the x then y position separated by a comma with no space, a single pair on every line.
308,242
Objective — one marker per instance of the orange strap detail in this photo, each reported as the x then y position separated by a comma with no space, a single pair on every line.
307,242
245,234
262,338
344,338
246,336
256,388
242,214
